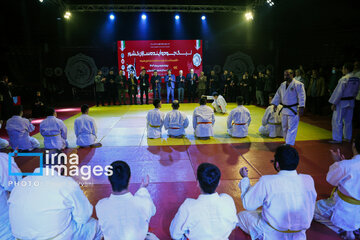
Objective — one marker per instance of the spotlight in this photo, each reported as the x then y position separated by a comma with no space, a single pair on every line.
249,16
270,2
203,17
41,1
177,17
143,17
67,15
112,16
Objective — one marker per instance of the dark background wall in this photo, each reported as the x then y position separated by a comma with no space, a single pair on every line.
320,33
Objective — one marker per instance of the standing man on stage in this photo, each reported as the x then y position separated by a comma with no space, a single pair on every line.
343,101
291,95
192,79
245,88
213,82
176,121
111,88
203,120
121,86
100,88
180,81
222,82
156,85
7,100
144,86
132,84
170,85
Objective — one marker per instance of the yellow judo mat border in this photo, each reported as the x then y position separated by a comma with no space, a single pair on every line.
126,126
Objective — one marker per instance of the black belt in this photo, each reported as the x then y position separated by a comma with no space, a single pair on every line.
347,98
289,107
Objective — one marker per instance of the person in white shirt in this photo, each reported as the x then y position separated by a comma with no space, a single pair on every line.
341,212
54,131
18,129
7,183
219,103
343,101
85,129
3,142
175,121
211,216
291,95
239,120
203,120
287,200
298,76
271,121
123,215
51,206
155,120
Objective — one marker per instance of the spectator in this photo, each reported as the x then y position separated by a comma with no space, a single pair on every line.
260,89
100,88
269,84
316,92
202,84
121,86
245,87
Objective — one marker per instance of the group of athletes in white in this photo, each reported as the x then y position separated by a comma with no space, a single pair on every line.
58,209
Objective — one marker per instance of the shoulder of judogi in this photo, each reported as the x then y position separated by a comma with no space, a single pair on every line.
101,203
226,198
307,179
296,82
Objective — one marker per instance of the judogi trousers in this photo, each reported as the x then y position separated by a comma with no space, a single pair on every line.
290,124
342,123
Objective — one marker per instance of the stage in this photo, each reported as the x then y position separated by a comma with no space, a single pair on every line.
172,163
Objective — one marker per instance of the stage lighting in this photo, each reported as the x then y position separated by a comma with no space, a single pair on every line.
41,1
270,2
143,17
67,15
177,17
112,16
203,17
249,16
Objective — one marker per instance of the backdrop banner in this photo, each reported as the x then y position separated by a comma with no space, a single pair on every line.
160,55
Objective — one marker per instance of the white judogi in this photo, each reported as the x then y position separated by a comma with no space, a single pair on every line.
18,129
203,121
155,122
343,98
3,142
219,104
54,132
238,122
51,207
334,212
7,183
287,200
293,95
210,216
175,123
85,130
126,216
271,122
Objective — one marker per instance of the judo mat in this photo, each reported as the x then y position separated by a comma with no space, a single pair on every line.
172,163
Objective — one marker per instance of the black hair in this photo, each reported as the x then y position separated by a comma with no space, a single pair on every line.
120,178
287,157
84,108
50,111
203,101
215,94
156,102
17,110
169,70
208,176
349,66
143,69
240,100
155,70
357,143
175,104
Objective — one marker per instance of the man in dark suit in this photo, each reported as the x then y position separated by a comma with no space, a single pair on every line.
121,86
180,81
170,85
132,83
213,82
191,80
111,88
156,85
144,86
